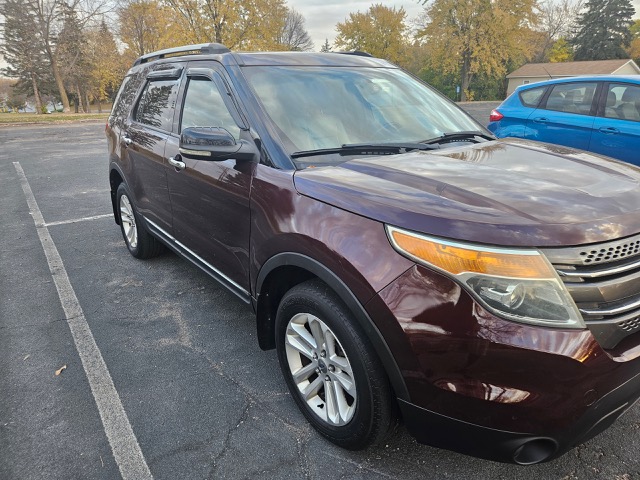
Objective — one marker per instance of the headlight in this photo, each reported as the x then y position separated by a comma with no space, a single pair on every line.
517,284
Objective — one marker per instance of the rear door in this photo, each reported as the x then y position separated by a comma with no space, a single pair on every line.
210,198
565,116
516,110
145,137
616,130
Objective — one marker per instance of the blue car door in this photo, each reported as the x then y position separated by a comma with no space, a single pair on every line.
616,130
565,117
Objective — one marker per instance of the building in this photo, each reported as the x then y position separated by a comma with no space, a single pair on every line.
537,72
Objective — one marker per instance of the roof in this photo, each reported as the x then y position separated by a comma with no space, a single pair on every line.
571,69
222,53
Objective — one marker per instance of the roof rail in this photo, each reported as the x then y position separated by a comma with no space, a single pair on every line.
359,53
199,49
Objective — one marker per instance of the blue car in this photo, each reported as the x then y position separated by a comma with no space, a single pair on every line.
600,114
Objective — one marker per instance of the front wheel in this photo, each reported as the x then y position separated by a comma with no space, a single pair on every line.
331,370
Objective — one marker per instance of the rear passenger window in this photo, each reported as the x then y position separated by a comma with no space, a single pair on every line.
157,103
572,98
204,107
623,102
531,97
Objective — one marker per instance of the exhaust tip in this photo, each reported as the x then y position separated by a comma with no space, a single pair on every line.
535,450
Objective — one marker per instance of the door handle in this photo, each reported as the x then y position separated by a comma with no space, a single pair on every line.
177,163
609,130
540,120
127,141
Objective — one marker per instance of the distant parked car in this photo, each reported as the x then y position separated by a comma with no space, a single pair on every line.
600,114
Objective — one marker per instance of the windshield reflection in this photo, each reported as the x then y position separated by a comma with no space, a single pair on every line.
324,107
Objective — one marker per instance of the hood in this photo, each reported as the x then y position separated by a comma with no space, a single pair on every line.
508,192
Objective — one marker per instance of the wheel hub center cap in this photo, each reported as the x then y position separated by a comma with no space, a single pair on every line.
322,366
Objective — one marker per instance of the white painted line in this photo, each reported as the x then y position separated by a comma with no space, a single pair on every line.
125,447
76,220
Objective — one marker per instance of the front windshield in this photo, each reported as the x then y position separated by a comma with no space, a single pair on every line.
327,107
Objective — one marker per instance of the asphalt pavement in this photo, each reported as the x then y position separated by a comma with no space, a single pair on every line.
182,380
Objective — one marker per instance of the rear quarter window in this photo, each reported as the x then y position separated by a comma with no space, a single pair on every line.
532,96
125,99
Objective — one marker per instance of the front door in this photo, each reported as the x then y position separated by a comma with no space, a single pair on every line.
210,198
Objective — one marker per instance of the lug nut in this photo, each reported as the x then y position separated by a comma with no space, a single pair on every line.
323,354
327,379
332,368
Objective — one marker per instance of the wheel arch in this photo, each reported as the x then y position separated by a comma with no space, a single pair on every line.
115,179
296,268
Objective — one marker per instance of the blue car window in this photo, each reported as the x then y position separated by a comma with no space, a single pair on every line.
623,102
532,96
572,98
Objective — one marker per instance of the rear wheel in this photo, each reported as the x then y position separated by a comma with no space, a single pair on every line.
140,242
331,370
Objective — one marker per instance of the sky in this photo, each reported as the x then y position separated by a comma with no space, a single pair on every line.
322,15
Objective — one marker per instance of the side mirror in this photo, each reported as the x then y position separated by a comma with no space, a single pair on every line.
215,143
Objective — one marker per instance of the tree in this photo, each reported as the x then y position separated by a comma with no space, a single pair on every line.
48,21
293,35
560,51
22,51
557,21
381,31
144,26
326,47
634,47
238,24
478,37
72,56
603,30
106,70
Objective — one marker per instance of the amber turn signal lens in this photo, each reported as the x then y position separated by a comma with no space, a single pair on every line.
456,259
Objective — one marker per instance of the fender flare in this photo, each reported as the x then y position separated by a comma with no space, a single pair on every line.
357,309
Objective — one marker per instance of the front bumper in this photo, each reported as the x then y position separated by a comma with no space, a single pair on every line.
441,431
496,389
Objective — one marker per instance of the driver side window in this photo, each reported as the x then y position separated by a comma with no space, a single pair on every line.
204,107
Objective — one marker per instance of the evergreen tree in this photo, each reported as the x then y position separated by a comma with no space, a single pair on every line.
72,54
23,53
603,30
326,48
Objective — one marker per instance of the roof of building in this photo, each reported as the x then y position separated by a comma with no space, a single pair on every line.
571,69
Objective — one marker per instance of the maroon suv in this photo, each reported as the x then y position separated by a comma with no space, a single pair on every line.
403,262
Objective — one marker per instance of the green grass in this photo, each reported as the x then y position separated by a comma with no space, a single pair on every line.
17,118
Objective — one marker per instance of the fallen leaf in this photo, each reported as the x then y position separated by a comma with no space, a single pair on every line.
59,371
26,357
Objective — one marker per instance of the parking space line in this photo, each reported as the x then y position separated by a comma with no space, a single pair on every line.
124,445
76,220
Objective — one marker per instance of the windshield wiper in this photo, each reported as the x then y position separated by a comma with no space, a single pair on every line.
367,149
466,135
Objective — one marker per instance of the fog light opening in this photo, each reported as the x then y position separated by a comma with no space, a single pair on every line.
535,451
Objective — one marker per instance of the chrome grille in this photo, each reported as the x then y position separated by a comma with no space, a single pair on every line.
604,281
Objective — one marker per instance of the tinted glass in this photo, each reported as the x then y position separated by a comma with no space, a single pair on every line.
204,107
571,98
623,102
156,104
532,96
323,107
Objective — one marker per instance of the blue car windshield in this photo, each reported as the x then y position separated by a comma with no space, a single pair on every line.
327,107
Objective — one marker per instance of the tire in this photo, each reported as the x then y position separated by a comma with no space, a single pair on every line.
139,241
322,354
